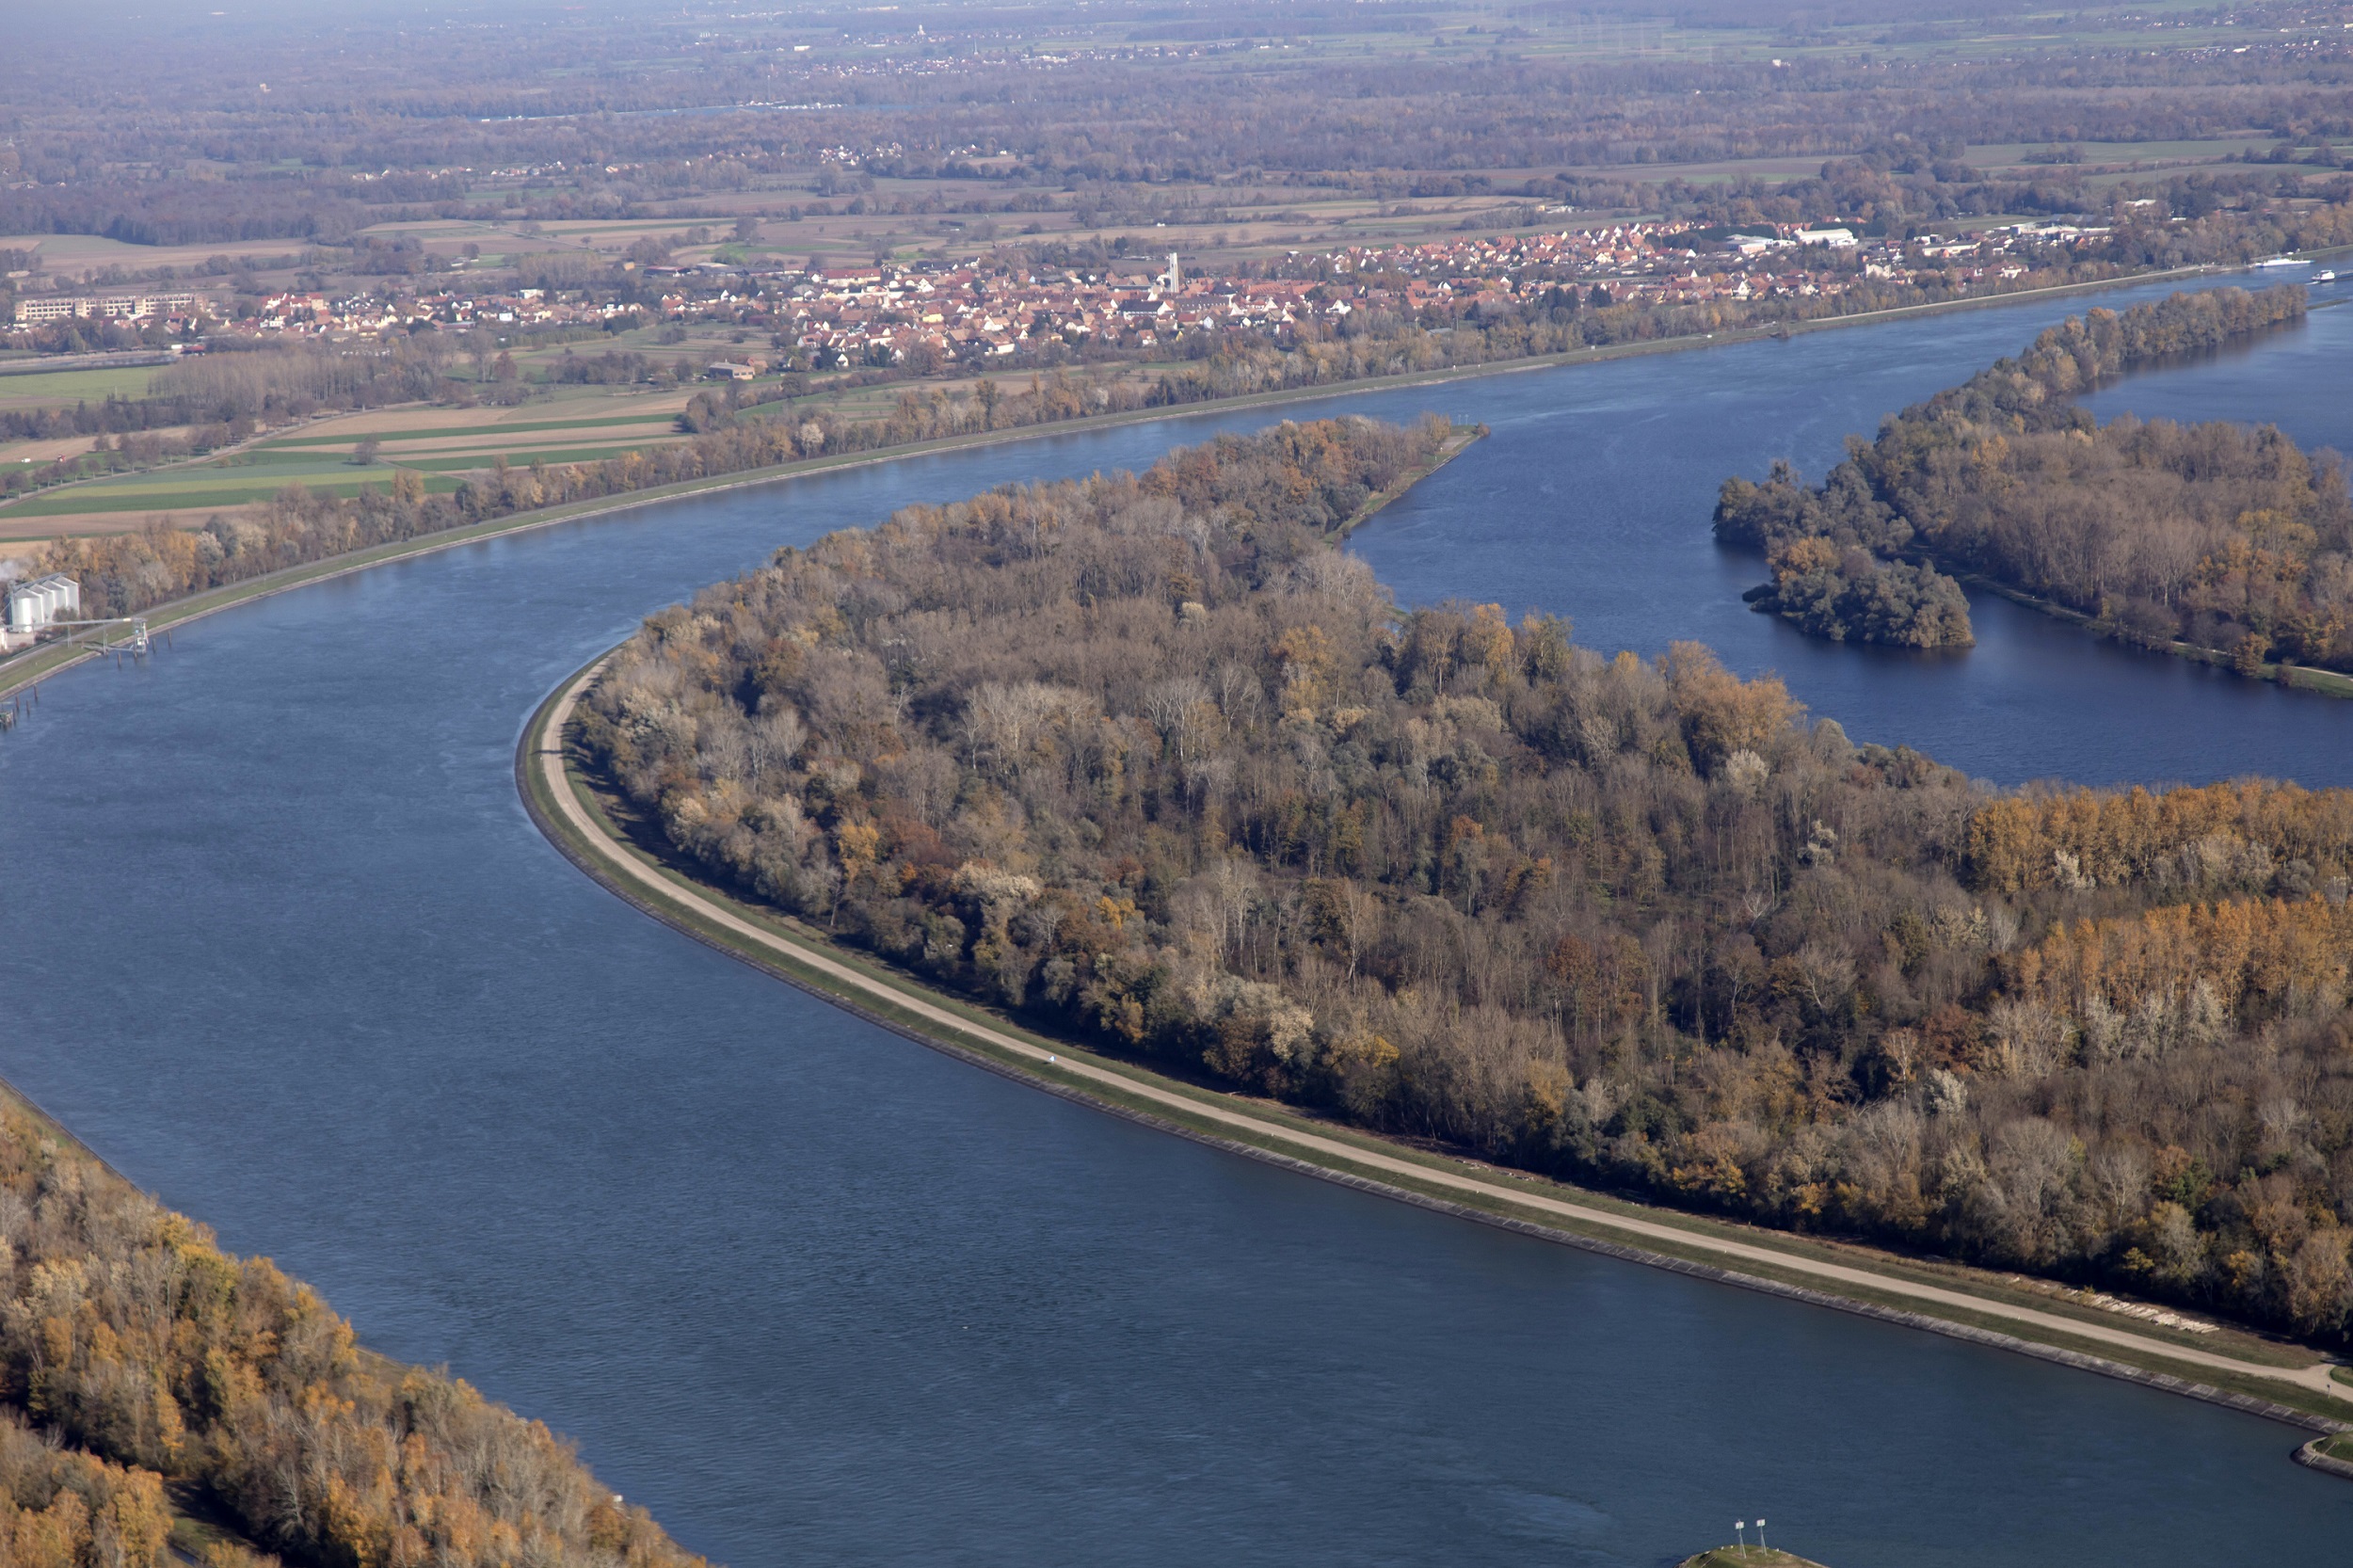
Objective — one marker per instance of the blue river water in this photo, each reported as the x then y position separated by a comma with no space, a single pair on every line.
288,952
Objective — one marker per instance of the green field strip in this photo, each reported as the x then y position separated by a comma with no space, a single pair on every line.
305,461
520,458
66,386
80,502
448,432
208,475
136,493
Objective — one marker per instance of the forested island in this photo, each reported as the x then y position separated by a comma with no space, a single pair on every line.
146,1376
1143,760
1844,593
2227,539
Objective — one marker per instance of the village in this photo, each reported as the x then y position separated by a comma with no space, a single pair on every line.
937,313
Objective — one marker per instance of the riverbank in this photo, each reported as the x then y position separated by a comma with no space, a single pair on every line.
1452,447
10,511
2331,1456
27,669
2267,1378
195,1511
2303,678
24,510
201,1523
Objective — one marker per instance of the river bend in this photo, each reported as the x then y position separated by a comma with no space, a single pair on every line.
287,950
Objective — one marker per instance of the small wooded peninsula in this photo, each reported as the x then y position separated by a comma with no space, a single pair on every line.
164,1403
1143,760
2222,537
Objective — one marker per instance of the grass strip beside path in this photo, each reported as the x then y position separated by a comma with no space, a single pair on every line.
570,811
667,422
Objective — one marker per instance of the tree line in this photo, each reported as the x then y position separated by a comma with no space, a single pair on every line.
201,403
224,398
2227,537
1143,760
229,392
1859,594
134,1352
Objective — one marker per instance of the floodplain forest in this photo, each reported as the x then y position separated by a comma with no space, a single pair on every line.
1145,760
139,1364
2229,538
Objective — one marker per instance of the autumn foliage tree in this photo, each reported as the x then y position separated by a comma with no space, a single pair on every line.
2224,536
134,1352
1145,760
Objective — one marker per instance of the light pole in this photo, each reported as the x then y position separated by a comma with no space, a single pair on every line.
1760,1536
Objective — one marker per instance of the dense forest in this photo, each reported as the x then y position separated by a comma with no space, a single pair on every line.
1143,759
2222,537
1847,594
136,1355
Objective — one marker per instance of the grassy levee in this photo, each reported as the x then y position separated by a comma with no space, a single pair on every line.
2332,1455
803,956
417,437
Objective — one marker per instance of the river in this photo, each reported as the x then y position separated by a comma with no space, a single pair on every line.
287,950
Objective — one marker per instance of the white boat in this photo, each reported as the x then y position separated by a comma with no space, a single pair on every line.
2324,277
2284,261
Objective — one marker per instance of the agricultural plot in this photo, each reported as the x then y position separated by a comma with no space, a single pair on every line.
56,388
72,255
440,443
182,498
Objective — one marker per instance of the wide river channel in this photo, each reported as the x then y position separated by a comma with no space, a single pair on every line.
285,949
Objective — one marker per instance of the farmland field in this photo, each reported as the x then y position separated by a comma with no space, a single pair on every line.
49,389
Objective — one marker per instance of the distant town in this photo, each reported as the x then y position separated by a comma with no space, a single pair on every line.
828,317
